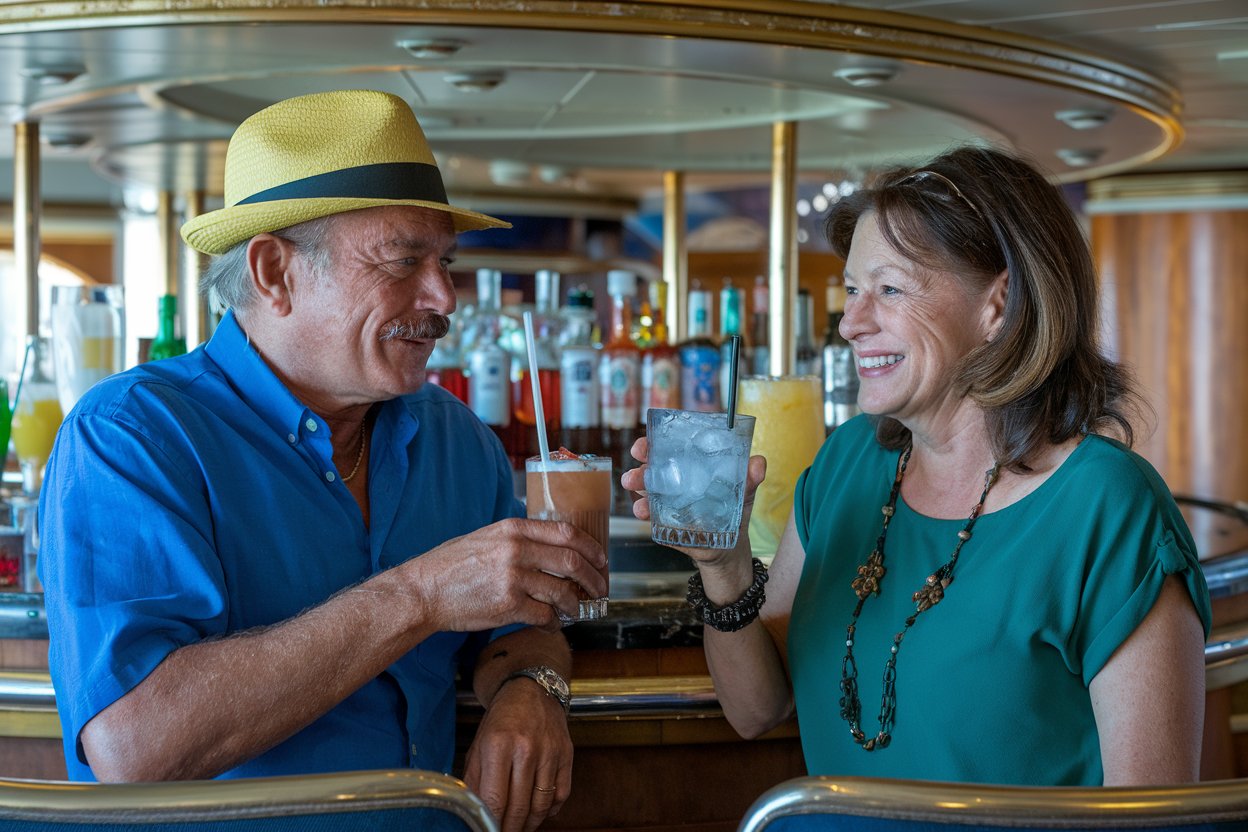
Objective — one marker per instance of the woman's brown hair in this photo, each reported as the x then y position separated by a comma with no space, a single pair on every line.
974,212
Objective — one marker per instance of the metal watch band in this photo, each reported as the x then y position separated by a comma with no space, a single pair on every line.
554,684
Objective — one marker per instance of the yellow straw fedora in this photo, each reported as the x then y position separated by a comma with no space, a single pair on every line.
321,154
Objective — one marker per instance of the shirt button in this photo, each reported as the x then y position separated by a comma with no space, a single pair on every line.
310,425
290,437
329,476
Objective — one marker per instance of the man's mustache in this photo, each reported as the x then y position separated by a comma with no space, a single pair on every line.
425,327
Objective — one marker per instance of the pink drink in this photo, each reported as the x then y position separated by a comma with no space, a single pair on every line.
575,490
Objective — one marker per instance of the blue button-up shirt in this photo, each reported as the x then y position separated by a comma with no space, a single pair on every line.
197,496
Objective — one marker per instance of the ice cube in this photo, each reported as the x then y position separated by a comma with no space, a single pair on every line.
713,441
662,477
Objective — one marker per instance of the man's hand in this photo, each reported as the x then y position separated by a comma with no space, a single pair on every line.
521,760
513,571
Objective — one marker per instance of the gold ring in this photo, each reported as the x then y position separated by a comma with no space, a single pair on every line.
540,789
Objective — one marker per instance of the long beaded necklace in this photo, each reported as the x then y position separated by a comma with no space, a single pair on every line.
929,595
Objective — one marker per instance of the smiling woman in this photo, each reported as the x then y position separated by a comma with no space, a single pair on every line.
989,452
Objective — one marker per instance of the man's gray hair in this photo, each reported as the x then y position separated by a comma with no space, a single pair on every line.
226,283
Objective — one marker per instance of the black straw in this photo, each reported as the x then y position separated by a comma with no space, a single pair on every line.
734,353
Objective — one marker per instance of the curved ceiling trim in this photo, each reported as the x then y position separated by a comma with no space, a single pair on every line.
796,23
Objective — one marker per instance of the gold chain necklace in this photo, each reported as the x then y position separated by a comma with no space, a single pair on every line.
929,595
359,457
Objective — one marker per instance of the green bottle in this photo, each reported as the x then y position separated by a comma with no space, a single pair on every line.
167,344
6,422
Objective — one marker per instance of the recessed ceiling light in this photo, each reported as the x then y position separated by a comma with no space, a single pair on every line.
866,76
53,75
64,141
1079,157
432,50
1082,119
476,81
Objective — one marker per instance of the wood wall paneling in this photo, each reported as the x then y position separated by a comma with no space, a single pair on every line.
1177,289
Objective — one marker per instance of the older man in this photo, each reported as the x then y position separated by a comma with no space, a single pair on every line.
271,555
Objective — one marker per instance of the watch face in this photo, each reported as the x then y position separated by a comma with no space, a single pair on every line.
556,682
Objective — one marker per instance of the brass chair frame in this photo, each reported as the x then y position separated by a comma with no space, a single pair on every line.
259,797
1001,806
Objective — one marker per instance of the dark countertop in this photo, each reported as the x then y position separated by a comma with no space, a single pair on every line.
632,622
647,609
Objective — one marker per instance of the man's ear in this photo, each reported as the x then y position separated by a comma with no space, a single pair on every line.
994,308
269,262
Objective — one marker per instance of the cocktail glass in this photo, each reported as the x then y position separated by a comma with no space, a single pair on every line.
36,417
88,334
695,477
576,491
789,432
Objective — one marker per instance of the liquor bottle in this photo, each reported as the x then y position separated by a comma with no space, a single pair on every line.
488,364
620,367
660,362
445,367
731,313
580,398
840,375
619,376
699,357
546,285
760,329
167,344
807,363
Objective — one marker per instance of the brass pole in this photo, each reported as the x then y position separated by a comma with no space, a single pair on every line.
166,219
26,210
675,256
782,259
199,321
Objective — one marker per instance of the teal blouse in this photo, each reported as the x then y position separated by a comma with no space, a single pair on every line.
992,683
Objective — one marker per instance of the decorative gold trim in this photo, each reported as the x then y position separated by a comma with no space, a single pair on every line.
780,22
1170,186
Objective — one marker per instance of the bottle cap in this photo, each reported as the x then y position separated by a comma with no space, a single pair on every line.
621,282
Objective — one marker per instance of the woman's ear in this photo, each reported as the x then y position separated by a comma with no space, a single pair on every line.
994,305
269,260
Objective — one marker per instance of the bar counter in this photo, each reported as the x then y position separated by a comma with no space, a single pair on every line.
644,711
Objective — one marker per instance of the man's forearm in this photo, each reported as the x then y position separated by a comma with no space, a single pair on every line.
211,706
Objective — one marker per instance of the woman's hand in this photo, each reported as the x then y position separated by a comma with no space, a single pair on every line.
635,480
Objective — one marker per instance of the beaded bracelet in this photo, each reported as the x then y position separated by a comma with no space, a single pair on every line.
730,617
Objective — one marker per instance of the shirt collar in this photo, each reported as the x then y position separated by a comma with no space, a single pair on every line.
256,383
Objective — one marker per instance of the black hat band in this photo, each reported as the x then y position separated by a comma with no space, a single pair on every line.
387,180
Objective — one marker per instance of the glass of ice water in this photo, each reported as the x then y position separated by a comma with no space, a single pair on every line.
695,477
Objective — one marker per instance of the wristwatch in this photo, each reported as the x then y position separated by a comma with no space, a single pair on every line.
550,680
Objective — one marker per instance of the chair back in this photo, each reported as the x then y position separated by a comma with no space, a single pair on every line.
376,801
862,804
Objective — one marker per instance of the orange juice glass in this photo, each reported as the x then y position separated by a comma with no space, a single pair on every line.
789,431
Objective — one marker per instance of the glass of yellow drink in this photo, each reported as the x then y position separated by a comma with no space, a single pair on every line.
789,431
36,416
88,333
